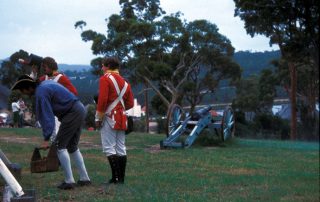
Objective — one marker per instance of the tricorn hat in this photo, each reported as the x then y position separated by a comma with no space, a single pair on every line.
22,82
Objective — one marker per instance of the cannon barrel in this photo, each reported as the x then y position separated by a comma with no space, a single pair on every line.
10,180
201,112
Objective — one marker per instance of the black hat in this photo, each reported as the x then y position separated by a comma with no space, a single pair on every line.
35,60
95,98
23,81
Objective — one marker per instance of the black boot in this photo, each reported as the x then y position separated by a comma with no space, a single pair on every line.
114,164
122,163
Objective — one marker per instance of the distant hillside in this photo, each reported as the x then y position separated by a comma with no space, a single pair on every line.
250,62
78,68
254,62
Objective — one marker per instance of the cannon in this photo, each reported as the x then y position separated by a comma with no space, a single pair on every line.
178,124
13,191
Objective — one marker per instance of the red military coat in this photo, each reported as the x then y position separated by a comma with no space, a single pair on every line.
63,80
107,94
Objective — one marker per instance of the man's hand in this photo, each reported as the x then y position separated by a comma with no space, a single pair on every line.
98,119
45,145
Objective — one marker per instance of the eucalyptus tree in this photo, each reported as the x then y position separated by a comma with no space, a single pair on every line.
267,90
307,94
165,52
256,93
247,91
294,26
11,69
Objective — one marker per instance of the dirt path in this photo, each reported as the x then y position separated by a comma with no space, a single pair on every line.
85,143
36,140
17,139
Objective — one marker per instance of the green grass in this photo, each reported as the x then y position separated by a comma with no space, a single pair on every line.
241,170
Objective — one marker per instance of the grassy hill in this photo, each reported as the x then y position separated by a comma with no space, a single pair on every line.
242,170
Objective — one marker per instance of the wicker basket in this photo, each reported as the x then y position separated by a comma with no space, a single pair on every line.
50,163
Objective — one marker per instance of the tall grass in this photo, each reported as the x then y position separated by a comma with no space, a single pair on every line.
242,170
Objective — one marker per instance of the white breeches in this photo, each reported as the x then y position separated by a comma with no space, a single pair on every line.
113,141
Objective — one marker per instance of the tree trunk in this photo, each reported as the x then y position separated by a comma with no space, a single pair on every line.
162,97
311,105
293,100
146,102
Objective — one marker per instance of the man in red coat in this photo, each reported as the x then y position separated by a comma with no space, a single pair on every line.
115,97
50,67
51,72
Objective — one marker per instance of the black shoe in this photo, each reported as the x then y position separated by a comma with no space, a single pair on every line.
122,168
82,183
66,186
114,164
112,181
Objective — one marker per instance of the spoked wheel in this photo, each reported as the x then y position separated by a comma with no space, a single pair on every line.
228,124
174,118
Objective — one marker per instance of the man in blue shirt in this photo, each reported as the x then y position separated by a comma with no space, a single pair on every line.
53,99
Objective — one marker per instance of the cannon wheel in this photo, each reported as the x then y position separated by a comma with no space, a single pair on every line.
174,118
228,124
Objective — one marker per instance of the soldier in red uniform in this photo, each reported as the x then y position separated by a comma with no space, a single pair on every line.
115,97
51,72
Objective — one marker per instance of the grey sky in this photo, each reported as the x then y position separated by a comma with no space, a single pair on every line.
46,27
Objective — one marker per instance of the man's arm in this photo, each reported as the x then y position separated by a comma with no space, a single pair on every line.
45,116
102,101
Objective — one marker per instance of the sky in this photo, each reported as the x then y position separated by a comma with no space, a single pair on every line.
46,27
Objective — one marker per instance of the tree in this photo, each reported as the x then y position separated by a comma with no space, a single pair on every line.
307,92
247,99
11,69
256,93
291,24
267,91
89,120
166,52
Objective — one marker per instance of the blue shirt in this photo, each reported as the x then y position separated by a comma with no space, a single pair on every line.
52,99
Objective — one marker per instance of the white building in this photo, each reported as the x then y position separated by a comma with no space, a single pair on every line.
136,110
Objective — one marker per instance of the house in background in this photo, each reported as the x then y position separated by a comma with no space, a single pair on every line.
136,110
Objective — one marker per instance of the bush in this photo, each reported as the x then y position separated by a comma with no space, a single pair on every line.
162,125
139,125
240,117
266,126
245,130
208,138
270,126
89,121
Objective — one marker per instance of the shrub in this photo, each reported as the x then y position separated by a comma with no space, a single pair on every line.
162,125
89,121
240,117
270,126
208,138
139,125
244,130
